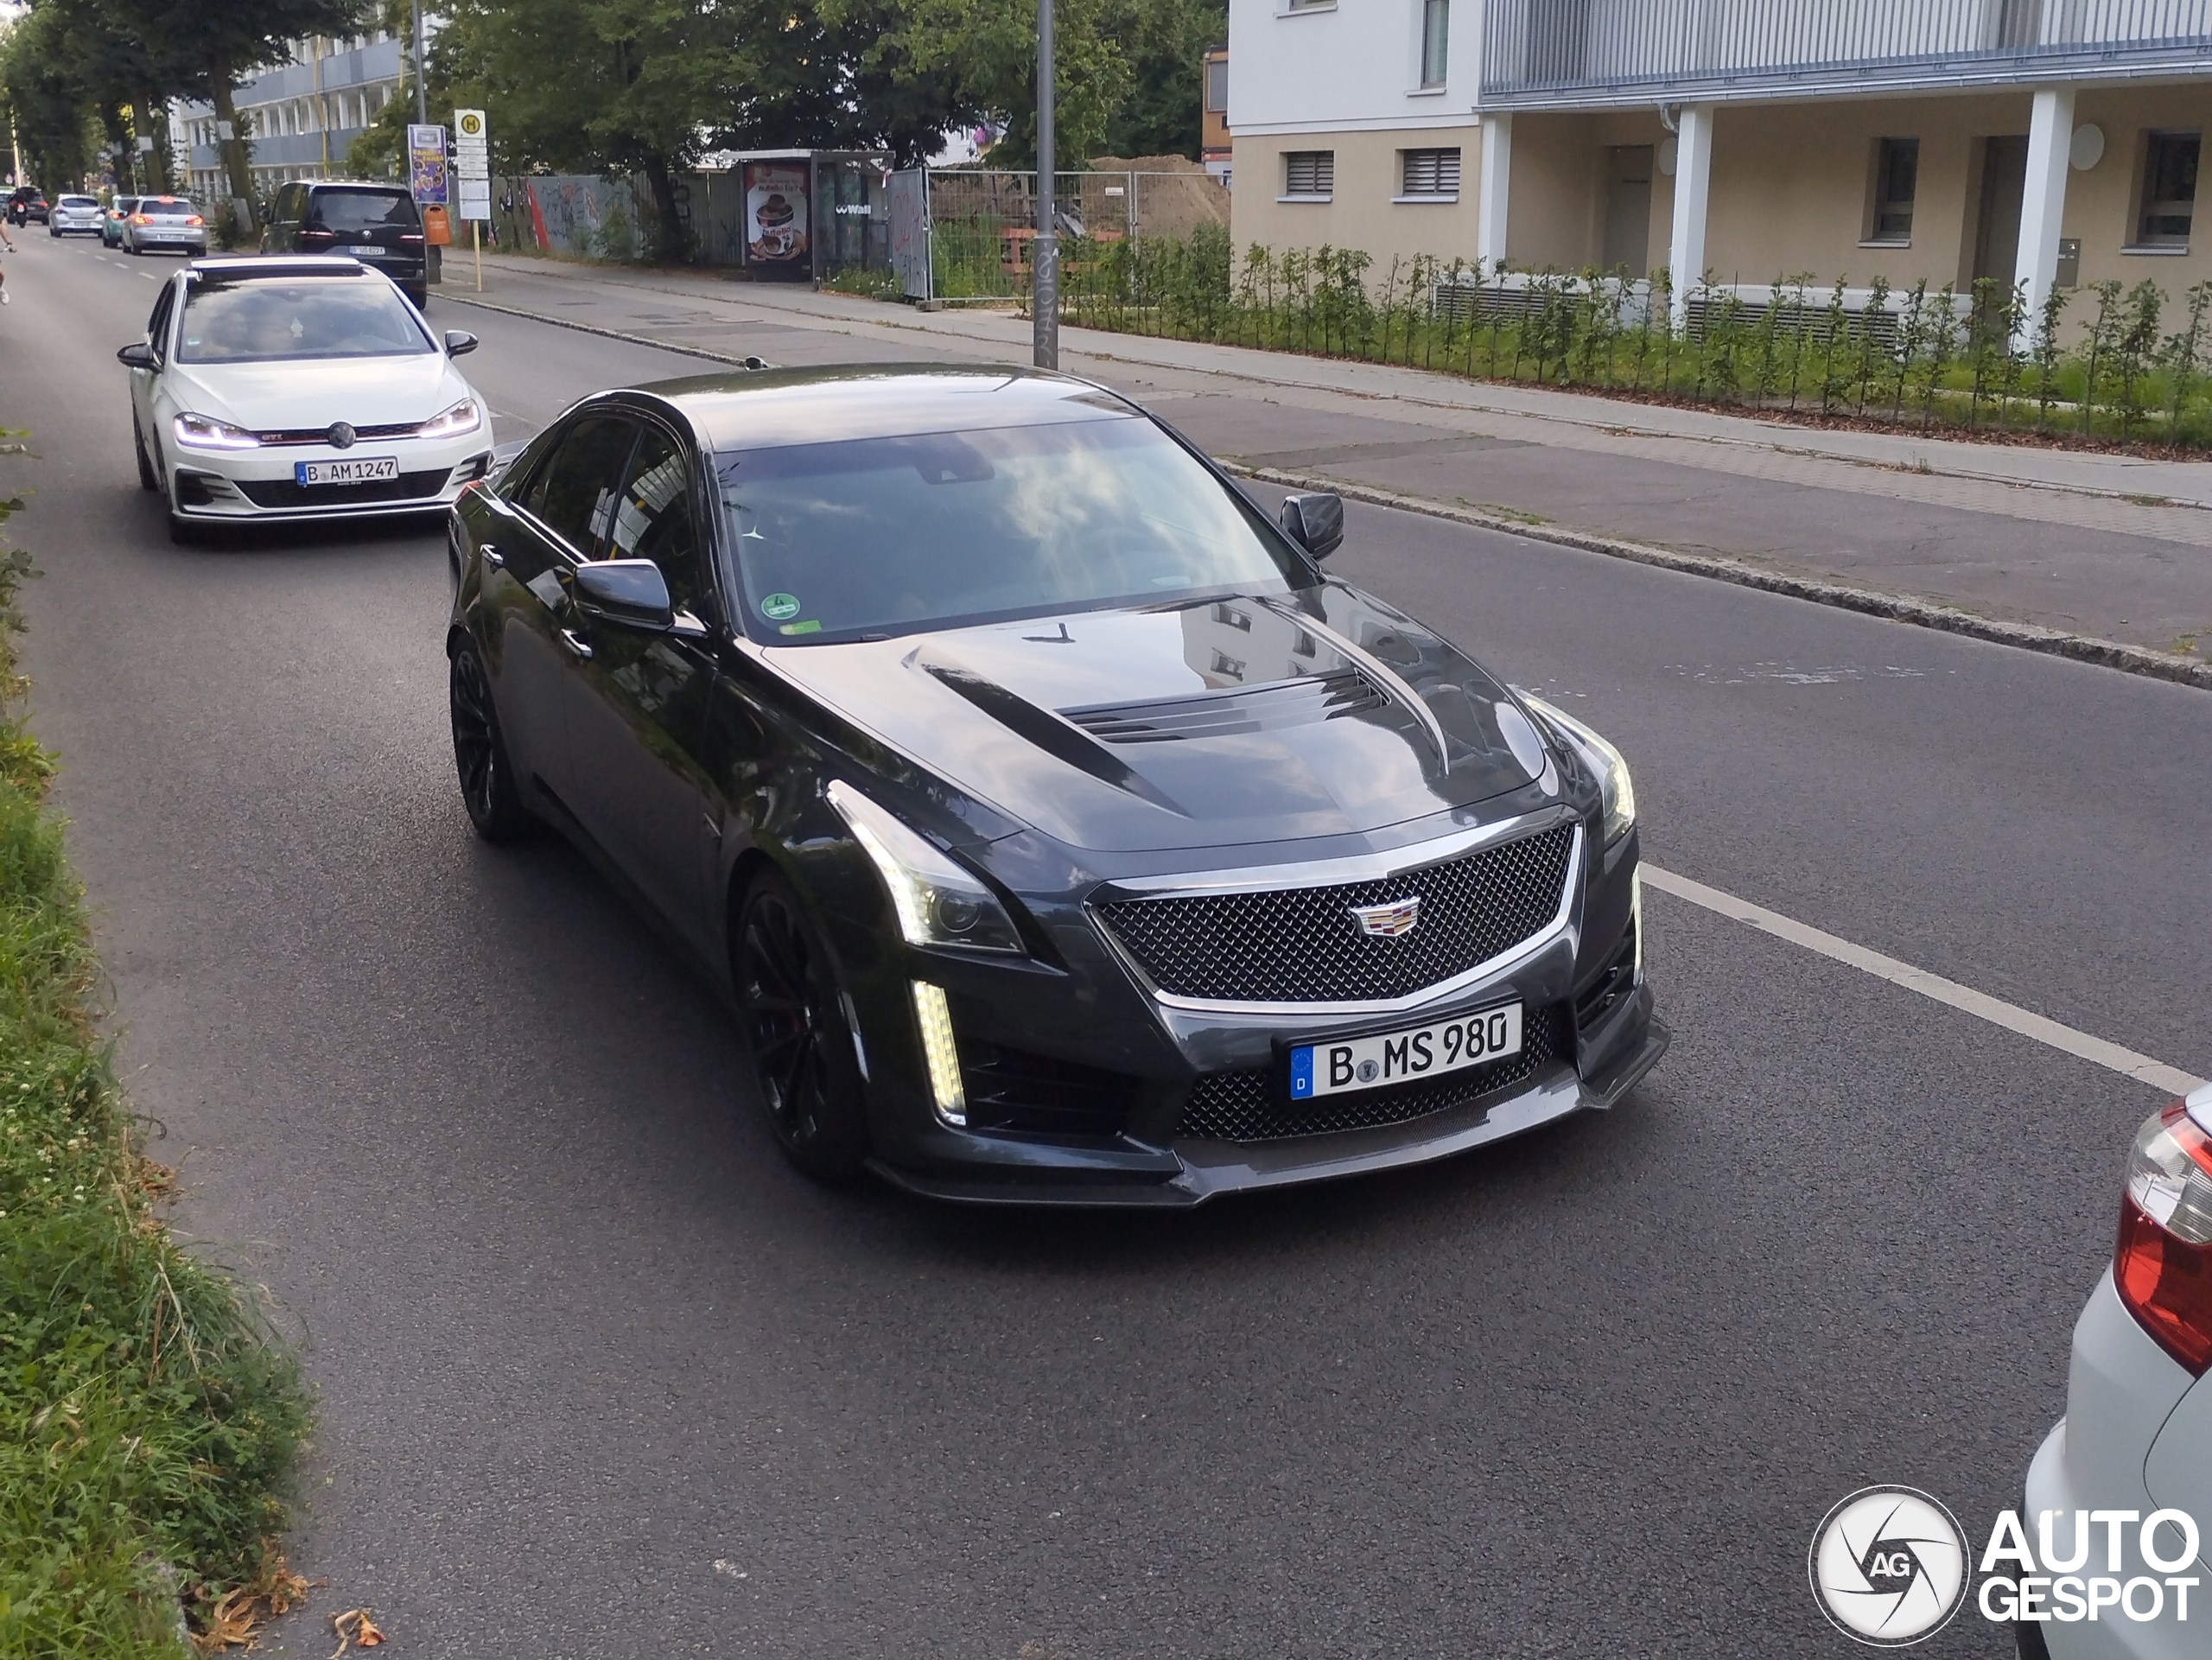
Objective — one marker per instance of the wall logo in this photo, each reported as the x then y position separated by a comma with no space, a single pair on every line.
1889,1567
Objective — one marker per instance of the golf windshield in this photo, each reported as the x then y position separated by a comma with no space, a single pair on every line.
888,536
263,321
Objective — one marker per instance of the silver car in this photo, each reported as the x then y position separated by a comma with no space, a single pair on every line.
74,216
164,222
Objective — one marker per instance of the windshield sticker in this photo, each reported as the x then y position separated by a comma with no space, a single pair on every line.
778,606
811,625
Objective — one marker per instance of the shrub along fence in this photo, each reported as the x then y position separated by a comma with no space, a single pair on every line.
2106,362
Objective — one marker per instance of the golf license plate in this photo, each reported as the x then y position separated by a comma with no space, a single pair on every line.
366,469
1374,1062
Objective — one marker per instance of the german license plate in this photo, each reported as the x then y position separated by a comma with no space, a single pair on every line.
364,469
364,247
1344,1065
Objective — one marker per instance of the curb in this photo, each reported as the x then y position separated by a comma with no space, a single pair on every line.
1923,613
749,362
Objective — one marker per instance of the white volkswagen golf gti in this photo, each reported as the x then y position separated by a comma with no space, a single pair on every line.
2109,1488
299,388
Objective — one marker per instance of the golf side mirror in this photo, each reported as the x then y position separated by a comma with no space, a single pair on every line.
630,592
1315,521
459,342
137,355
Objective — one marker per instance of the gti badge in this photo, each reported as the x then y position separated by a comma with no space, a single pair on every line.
1388,921
341,435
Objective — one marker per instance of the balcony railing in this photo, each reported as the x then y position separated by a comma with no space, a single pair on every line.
1589,53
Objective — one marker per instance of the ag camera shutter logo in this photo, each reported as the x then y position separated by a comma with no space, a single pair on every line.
1889,1567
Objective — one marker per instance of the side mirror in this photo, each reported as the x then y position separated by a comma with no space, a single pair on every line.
137,355
1315,521
629,592
459,342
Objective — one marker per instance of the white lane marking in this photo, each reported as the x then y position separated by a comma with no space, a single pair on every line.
2080,1044
149,277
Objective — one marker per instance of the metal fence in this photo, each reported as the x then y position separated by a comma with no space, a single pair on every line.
1626,51
963,235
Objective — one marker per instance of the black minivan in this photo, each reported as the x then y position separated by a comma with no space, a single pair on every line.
377,222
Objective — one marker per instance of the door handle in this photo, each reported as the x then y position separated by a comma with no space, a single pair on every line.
490,556
576,642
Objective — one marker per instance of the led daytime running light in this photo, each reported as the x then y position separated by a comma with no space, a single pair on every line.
1611,765
934,1015
463,417
205,432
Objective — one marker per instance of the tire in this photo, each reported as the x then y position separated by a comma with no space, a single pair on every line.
804,1065
488,786
148,479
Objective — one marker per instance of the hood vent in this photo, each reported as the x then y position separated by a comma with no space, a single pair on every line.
1306,701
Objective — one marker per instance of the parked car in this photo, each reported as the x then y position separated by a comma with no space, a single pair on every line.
377,224
111,221
296,388
25,203
2137,1437
164,222
1066,833
75,215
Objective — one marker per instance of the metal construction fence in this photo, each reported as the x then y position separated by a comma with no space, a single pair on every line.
965,234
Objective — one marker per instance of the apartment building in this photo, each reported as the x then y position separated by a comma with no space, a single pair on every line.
2046,142
300,117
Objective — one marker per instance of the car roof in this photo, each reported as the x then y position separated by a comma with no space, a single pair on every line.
305,264
389,186
769,409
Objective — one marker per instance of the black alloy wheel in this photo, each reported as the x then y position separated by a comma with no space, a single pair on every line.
147,479
488,789
802,1058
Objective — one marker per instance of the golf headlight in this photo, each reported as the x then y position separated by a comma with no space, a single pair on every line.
938,902
205,432
463,417
1619,790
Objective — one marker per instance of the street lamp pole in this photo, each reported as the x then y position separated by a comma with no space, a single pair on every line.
421,81
1045,252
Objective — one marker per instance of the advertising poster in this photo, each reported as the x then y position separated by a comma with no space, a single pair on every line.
426,163
775,242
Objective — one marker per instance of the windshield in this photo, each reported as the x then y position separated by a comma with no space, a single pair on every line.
348,211
885,535
313,317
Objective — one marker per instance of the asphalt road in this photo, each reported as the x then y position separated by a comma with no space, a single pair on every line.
602,1376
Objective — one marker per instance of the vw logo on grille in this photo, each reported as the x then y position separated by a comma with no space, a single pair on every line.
341,435
1390,920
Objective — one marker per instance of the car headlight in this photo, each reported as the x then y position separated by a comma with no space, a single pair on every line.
463,417
205,432
938,902
1618,789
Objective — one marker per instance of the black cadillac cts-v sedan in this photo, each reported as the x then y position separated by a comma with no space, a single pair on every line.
1064,832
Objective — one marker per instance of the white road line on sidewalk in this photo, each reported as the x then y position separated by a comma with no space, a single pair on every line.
2080,1044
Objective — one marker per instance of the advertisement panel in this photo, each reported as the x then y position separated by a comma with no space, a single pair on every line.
426,163
777,245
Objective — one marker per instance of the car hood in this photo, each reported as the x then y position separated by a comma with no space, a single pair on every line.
365,391
1251,719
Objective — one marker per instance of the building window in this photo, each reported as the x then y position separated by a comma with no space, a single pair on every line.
1216,86
1309,173
1435,39
1896,180
1428,173
2169,190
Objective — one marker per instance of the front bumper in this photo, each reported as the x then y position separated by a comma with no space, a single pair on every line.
1590,1036
260,485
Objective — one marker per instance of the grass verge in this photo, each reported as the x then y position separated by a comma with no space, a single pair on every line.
149,1420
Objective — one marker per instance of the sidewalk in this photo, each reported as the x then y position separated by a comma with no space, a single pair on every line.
2109,548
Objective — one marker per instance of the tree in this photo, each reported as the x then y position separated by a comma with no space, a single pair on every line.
1159,116
55,121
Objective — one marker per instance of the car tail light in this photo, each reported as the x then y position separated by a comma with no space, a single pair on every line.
140,218
2163,1267
195,219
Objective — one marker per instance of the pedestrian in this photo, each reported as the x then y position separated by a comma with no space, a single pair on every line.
10,241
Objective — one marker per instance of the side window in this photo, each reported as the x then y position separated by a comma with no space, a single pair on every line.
157,326
653,518
574,493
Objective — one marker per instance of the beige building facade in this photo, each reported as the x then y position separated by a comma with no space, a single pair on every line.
2044,153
